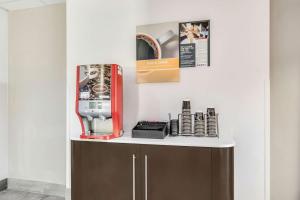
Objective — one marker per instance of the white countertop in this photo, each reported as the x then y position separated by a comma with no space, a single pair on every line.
190,141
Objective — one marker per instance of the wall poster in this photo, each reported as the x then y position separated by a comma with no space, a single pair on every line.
162,49
194,44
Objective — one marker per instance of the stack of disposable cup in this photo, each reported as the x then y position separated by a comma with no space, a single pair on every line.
212,122
199,124
174,127
186,118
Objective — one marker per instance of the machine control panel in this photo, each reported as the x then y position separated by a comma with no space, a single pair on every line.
95,108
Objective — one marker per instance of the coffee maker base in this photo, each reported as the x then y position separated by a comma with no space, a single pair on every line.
102,136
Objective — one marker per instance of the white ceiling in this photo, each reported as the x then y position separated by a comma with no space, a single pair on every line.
24,4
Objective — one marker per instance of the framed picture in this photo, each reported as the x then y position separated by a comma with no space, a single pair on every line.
162,49
194,44
157,56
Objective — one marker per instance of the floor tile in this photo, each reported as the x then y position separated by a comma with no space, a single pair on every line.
33,196
12,195
18,195
54,198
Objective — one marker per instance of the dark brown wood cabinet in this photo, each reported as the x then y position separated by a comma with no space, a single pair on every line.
176,173
112,171
103,171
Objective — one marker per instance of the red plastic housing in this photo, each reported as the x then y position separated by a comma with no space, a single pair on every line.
116,105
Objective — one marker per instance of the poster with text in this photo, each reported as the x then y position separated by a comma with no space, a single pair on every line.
194,47
157,53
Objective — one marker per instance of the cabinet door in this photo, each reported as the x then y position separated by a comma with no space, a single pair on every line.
223,173
176,173
104,171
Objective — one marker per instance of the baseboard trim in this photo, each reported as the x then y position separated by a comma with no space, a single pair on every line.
3,184
68,194
37,187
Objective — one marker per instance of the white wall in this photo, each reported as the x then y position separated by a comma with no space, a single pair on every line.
285,100
236,84
91,38
3,95
37,81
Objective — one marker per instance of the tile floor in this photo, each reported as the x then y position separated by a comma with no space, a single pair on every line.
18,195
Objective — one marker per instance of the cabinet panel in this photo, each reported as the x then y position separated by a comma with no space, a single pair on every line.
176,173
223,173
104,171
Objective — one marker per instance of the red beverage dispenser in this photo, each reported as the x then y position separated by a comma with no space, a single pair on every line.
99,100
